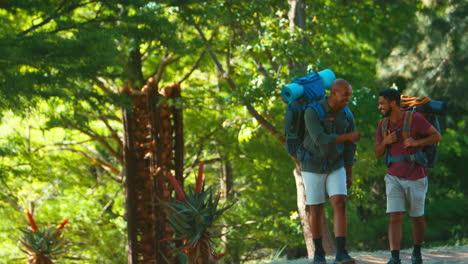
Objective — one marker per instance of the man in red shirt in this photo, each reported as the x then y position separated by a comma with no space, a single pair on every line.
406,180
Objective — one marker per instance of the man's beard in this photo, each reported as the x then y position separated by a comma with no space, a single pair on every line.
388,113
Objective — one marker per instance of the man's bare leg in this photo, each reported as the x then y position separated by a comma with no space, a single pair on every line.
395,229
340,228
339,215
419,227
315,220
394,233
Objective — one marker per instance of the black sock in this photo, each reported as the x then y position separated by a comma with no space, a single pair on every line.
318,247
395,254
417,250
340,245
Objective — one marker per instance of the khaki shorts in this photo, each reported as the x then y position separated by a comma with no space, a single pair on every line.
316,183
402,194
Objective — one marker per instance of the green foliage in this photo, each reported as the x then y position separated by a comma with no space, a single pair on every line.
441,215
35,173
61,63
194,217
432,60
45,241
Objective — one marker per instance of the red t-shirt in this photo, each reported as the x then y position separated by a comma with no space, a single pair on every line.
419,129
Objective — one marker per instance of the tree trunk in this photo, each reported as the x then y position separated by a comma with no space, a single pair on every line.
157,181
227,180
130,172
296,14
304,215
178,136
227,183
148,157
297,17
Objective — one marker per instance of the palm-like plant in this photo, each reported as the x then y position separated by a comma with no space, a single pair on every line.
191,216
42,245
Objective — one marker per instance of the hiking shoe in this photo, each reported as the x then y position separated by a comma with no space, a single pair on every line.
344,259
319,259
416,259
394,261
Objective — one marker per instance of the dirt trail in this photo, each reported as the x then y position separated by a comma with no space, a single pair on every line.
438,255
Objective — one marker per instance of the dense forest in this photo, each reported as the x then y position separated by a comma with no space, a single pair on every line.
66,69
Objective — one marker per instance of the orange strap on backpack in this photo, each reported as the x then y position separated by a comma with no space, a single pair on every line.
407,122
405,130
408,102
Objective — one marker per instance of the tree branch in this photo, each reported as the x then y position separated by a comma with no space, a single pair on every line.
98,139
106,166
115,136
260,67
165,61
219,67
105,86
228,60
32,28
260,119
9,196
267,125
76,26
196,160
194,67
55,14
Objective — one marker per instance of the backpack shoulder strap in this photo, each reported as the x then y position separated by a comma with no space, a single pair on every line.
384,126
348,113
318,108
407,123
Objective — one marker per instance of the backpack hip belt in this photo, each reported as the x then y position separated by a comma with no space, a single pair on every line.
418,157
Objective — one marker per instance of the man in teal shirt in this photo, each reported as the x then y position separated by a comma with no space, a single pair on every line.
330,145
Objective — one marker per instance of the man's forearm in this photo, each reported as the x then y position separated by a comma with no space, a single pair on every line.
430,140
379,149
340,139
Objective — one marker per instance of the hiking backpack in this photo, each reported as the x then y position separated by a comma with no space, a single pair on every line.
427,156
302,93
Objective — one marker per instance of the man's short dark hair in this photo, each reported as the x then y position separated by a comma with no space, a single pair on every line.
391,94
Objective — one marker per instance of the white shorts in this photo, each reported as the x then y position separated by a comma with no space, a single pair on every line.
316,183
405,194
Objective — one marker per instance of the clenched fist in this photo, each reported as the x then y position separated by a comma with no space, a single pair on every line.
354,136
390,138
410,142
